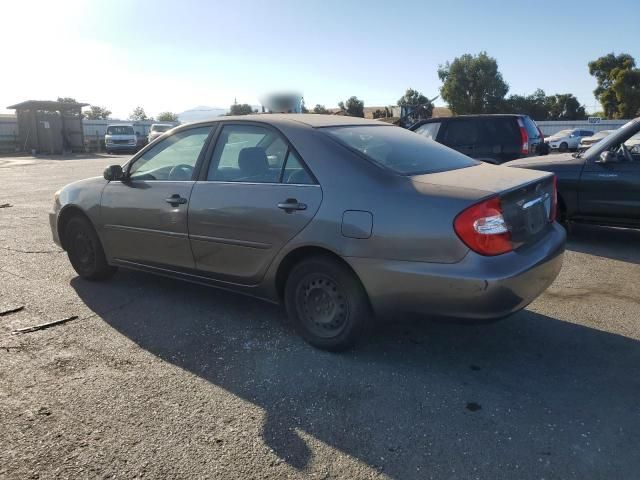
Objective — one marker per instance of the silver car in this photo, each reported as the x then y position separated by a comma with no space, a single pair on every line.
338,218
565,140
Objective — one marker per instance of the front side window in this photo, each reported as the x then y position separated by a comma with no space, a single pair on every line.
429,130
247,153
398,149
172,159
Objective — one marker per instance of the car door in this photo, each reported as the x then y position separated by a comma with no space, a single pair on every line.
611,190
253,197
144,217
461,135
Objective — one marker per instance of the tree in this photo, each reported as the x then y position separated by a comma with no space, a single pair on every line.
618,87
472,84
240,109
303,107
379,113
320,109
167,117
97,113
139,114
354,107
534,105
415,98
565,106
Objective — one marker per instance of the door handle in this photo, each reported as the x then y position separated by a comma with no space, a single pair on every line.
291,204
175,200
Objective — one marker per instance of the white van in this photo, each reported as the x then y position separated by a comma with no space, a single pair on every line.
120,138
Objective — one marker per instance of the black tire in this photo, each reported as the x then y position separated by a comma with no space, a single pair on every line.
563,147
326,303
85,250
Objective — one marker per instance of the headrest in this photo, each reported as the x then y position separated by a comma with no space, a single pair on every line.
253,161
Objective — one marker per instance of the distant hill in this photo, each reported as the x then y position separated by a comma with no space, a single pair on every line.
197,114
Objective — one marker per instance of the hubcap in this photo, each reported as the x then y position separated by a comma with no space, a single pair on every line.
83,251
322,306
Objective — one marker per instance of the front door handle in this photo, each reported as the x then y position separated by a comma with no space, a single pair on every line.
291,204
175,200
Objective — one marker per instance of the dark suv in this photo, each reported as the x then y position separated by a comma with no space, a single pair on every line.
490,138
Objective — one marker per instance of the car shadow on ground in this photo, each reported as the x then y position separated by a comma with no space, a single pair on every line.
526,397
615,243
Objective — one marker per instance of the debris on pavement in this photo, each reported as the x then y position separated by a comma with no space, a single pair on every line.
42,326
6,205
11,310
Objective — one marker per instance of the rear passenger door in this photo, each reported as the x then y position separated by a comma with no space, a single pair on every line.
255,194
461,135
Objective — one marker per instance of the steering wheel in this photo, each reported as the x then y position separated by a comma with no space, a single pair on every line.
625,152
181,172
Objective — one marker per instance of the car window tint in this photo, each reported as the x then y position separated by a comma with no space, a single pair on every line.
462,132
294,172
429,130
247,153
498,131
173,158
398,149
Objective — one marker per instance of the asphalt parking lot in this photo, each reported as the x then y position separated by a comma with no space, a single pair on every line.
163,379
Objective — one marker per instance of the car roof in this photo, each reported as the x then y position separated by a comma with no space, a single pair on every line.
314,120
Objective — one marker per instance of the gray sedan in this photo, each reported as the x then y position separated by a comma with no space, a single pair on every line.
338,218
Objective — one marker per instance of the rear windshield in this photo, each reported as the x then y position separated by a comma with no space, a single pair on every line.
531,127
160,128
119,130
400,150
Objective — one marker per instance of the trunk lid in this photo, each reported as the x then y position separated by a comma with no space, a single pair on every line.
526,197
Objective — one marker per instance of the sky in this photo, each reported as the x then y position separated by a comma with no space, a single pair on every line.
179,54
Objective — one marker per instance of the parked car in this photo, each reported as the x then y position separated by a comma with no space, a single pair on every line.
490,138
566,140
158,129
586,142
339,218
600,185
120,138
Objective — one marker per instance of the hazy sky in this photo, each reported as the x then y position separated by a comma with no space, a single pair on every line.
175,55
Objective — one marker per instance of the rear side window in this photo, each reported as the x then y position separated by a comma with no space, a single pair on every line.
461,132
531,127
398,149
499,131
429,130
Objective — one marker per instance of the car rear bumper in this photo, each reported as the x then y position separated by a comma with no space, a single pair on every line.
476,288
53,223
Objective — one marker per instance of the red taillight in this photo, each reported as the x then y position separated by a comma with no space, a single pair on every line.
554,200
483,228
524,138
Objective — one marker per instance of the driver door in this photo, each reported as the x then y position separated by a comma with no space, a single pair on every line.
611,189
144,217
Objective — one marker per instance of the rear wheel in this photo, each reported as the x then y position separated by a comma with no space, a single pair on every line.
563,147
326,302
85,250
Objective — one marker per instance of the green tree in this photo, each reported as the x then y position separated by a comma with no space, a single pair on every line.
320,109
618,84
415,98
97,113
534,105
472,84
167,117
240,109
303,107
139,114
565,106
354,107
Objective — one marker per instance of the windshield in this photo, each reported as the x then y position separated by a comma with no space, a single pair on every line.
160,128
400,150
562,133
621,135
119,130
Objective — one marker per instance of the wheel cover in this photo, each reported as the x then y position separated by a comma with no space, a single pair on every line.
83,251
322,306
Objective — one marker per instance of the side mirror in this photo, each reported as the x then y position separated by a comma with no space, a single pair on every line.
607,157
113,173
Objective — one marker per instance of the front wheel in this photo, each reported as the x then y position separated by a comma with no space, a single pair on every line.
85,250
563,147
327,303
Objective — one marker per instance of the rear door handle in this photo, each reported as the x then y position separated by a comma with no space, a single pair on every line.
175,200
291,204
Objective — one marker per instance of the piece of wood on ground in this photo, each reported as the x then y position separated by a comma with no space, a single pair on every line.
11,310
42,326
